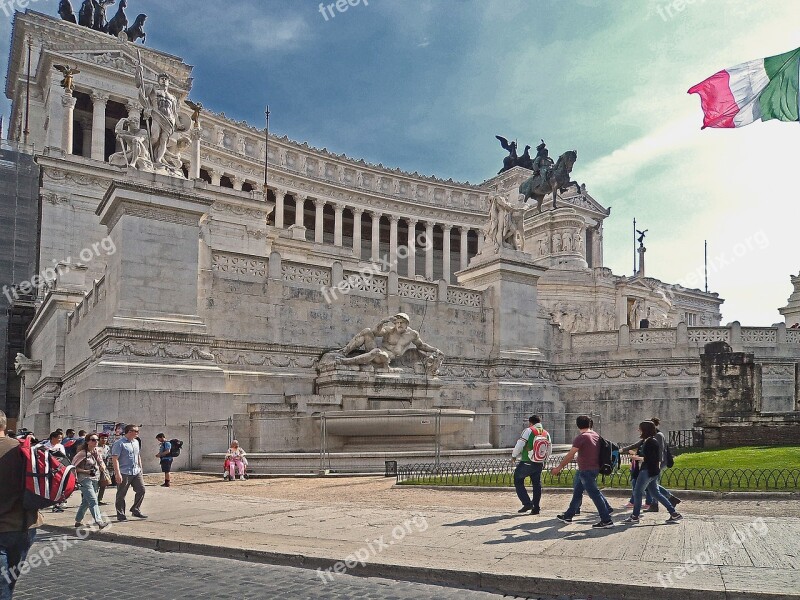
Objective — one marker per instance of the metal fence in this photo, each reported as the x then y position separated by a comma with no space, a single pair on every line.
500,473
364,441
686,438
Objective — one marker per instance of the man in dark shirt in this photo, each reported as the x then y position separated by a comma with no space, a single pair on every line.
17,525
587,447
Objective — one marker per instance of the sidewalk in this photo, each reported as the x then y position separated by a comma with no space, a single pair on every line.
478,543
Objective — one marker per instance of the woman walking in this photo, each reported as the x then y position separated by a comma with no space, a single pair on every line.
89,467
650,467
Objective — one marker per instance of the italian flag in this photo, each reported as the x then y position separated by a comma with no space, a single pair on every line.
759,89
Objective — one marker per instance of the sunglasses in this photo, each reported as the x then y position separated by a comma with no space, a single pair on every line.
92,440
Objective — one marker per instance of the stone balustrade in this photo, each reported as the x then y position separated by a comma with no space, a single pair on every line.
746,338
334,281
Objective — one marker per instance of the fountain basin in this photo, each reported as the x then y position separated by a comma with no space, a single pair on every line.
396,422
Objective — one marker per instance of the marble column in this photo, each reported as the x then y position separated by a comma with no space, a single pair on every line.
393,219
68,102
99,101
337,225
85,122
357,212
299,211
319,220
376,235
412,248
446,252
194,170
279,207
237,182
464,258
429,251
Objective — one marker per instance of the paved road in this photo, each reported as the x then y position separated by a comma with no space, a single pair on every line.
90,568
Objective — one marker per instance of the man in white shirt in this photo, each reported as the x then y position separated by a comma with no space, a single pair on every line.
529,465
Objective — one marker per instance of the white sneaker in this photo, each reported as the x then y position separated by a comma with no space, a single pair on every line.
241,477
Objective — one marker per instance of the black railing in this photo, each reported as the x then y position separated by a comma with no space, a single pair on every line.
686,438
499,472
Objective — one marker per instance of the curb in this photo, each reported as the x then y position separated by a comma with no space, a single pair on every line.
691,494
507,585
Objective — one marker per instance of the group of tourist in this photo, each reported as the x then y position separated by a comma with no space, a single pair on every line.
648,458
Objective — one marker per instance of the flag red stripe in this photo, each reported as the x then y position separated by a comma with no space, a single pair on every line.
717,101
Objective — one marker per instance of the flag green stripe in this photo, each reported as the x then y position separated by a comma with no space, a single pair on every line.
779,100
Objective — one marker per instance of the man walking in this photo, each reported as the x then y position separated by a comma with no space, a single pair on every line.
587,447
165,457
127,462
17,525
532,450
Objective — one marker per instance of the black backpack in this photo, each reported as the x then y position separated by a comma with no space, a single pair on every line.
609,456
175,448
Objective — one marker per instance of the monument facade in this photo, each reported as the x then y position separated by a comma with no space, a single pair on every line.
223,298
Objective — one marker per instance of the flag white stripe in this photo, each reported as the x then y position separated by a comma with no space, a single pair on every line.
746,82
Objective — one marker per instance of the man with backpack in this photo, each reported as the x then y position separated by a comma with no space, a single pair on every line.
165,457
532,449
587,447
17,525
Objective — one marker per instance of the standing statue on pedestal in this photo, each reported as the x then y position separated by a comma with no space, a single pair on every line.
397,339
160,111
504,229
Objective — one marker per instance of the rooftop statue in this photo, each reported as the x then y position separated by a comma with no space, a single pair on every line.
397,339
641,236
67,83
92,14
66,12
525,160
505,224
510,161
196,107
119,22
136,31
549,179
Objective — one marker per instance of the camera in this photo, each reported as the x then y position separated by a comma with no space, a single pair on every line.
92,472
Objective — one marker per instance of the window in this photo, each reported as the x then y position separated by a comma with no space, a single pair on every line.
690,318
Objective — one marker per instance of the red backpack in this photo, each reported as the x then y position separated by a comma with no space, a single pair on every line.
47,480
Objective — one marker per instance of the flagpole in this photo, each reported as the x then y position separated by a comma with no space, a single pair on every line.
266,150
634,247
705,262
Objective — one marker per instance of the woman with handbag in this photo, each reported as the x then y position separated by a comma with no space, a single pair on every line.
89,467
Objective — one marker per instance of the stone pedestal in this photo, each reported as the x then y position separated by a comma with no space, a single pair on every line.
557,238
517,337
512,278
152,276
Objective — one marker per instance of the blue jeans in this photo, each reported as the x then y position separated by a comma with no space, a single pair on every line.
14,546
648,498
534,471
587,481
89,489
645,482
664,491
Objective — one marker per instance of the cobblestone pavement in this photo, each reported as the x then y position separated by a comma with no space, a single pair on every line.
89,568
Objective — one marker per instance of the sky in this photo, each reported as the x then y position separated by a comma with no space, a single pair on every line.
425,85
